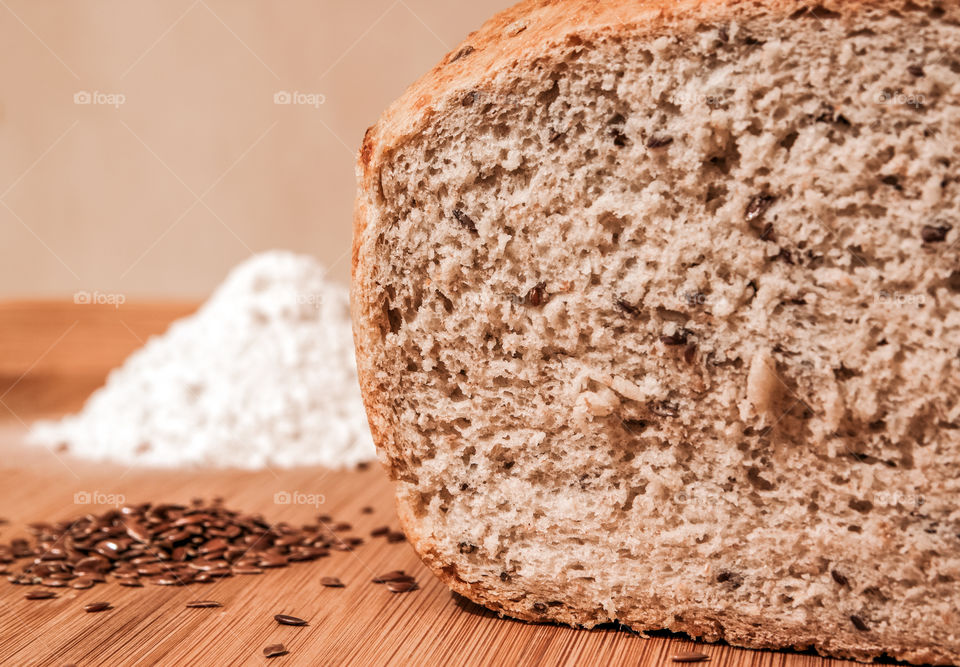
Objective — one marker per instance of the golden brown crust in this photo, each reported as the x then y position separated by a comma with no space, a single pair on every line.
518,35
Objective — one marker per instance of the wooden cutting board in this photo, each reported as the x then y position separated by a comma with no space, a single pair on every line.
52,355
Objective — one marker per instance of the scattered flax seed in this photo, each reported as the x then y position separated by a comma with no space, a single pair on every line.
274,650
402,586
94,607
691,657
331,582
393,575
166,545
40,595
203,604
286,619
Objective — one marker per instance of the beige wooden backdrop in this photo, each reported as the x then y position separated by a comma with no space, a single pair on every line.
145,146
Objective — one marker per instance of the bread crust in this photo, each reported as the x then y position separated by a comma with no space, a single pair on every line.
515,36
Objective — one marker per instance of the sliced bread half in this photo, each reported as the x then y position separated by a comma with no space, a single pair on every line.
657,316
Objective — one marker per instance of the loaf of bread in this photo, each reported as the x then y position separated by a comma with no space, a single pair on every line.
657,316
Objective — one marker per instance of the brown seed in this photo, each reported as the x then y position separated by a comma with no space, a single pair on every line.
273,560
367,510
170,581
285,619
273,650
207,565
401,585
331,582
396,536
53,583
92,564
915,70
691,657
203,604
931,234
679,337
535,296
131,583
839,578
82,583
40,595
393,575
191,519
215,544
382,530
138,531
859,624
465,220
247,570
144,560
659,141
758,207
94,607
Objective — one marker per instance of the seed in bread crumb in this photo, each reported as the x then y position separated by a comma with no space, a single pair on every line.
465,220
679,337
758,207
935,234
462,53
619,138
839,578
859,624
627,307
535,295
732,579
659,141
915,70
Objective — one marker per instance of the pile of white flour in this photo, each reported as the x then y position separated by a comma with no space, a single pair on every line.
262,375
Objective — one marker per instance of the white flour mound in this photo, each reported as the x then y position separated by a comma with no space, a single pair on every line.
262,375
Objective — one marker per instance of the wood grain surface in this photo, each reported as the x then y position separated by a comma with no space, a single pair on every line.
52,355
